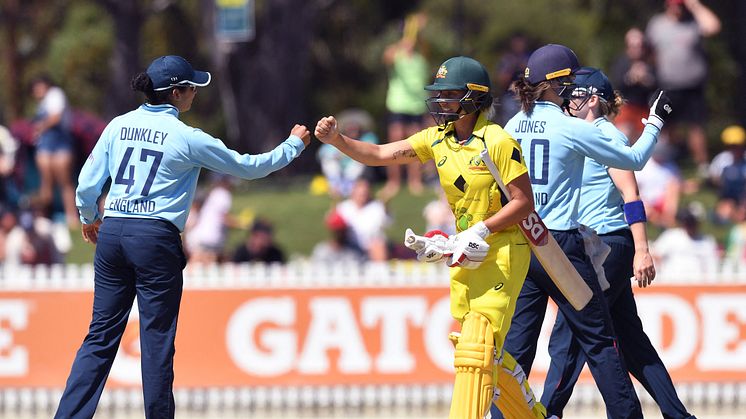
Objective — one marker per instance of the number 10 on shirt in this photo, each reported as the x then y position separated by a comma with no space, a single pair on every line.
550,254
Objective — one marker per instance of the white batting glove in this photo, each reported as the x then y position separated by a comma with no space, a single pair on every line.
432,247
469,248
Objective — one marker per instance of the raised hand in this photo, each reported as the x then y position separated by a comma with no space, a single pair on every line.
326,129
301,132
660,109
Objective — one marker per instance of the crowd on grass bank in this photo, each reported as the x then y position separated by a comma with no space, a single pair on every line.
40,157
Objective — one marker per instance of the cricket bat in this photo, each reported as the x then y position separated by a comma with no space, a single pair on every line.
550,254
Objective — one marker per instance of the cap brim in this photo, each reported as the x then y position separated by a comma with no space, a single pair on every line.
434,87
201,79
582,71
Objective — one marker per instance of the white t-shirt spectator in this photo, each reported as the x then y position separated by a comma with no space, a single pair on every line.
366,223
209,230
54,102
682,257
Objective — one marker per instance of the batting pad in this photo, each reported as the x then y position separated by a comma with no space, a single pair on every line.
474,362
516,400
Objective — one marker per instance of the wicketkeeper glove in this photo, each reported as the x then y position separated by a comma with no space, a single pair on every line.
432,247
468,247
660,109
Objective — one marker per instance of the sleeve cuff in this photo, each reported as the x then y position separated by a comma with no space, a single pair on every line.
296,142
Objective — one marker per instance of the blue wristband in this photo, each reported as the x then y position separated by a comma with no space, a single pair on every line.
634,212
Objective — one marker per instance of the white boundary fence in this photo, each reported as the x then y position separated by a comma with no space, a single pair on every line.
305,275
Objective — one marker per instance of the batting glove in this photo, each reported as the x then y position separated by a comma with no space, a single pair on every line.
469,247
432,247
660,109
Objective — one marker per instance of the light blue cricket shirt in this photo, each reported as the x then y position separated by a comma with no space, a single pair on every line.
600,200
555,147
154,160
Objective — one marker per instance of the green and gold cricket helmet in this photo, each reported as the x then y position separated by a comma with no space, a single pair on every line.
463,74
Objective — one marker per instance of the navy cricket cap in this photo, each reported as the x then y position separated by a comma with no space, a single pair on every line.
593,81
172,70
550,62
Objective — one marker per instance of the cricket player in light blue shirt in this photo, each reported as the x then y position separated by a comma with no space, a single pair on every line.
555,146
153,160
610,204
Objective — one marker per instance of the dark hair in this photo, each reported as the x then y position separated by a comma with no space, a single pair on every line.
528,93
41,78
142,83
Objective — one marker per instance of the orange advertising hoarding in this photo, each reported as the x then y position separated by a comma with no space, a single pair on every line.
294,337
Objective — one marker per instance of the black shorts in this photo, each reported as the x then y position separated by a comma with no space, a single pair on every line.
689,105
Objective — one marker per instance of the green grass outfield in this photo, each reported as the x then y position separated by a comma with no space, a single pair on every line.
298,216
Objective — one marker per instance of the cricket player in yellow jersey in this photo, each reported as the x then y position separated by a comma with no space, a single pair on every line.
489,257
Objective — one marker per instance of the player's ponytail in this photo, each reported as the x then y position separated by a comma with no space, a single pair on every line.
613,107
142,83
528,93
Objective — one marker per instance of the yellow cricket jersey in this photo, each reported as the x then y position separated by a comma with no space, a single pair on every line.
471,191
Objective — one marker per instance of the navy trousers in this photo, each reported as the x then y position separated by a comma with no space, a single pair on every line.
134,257
638,352
592,328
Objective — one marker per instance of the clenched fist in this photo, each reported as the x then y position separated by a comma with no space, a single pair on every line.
301,132
326,129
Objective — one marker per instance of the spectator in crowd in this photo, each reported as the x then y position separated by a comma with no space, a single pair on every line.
24,179
509,69
439,216
660,187
207,236
634,76
191,222
405,100
340,171
367,219
735,251
338,248
684,251
259,245
732,184
681,68
31,241
8,221
8,149
54,146
734,141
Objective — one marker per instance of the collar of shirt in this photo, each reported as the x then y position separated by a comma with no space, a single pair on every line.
164,108
600,120
480,127
548,104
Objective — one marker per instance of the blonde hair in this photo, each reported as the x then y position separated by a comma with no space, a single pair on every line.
528,93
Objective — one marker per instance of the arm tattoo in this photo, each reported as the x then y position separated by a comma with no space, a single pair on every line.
404,154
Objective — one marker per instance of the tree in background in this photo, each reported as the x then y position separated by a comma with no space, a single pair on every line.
309,57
